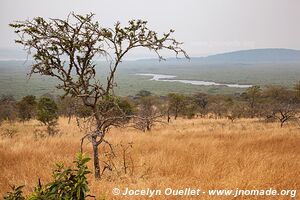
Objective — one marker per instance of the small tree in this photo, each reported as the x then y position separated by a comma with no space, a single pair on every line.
26,107
201,101
67,107
285,113
280,104
47,114
219,105
148,113
236,110
65,49
176,104
252,96
143,93
8,108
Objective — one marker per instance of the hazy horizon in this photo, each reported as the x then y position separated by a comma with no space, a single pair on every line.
206,27
17,54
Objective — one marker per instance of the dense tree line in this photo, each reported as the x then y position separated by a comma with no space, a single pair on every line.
144,110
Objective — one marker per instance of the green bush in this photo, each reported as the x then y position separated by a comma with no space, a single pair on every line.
47,113
47,110
15,194
68,184
26,107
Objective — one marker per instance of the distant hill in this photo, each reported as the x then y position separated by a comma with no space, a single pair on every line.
12,54
244,56
275,55
254,56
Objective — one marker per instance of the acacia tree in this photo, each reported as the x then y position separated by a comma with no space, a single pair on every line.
176,104
26,107
280,104
7,108
66,48
201,101
148,113
253,94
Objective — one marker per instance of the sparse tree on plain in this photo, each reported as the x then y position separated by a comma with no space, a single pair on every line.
47,113
201,101
67,107
8,109
148,114
27,107
281,104
143,93
176,104
66,48
253,93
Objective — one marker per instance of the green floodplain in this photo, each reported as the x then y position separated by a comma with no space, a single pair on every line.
14,79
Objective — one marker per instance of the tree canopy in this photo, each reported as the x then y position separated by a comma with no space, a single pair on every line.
67,48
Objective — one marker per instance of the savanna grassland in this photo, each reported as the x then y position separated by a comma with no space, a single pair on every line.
198,153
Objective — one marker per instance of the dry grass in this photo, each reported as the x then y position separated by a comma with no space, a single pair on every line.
198,153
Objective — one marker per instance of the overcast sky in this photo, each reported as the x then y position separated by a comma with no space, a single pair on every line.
205,26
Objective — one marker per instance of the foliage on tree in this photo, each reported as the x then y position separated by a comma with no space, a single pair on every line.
115,110
236,110
47,114
27,107
67,107
201,101
219,105
280,104
176,103
7,108
143,93
148,113
47,110
83,111
252,96
66,48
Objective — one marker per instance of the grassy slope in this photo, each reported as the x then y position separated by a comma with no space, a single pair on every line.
202,153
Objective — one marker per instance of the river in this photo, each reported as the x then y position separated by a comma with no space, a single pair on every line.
170,78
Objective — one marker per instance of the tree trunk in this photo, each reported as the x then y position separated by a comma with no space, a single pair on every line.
148,127
96,158
94,140
169,118
70,116
176,113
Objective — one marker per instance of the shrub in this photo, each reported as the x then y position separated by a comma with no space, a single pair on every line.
47,110
15,194
26,107
47,114
7,108
68,184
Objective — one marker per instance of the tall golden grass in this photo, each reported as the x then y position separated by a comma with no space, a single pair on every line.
197,153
